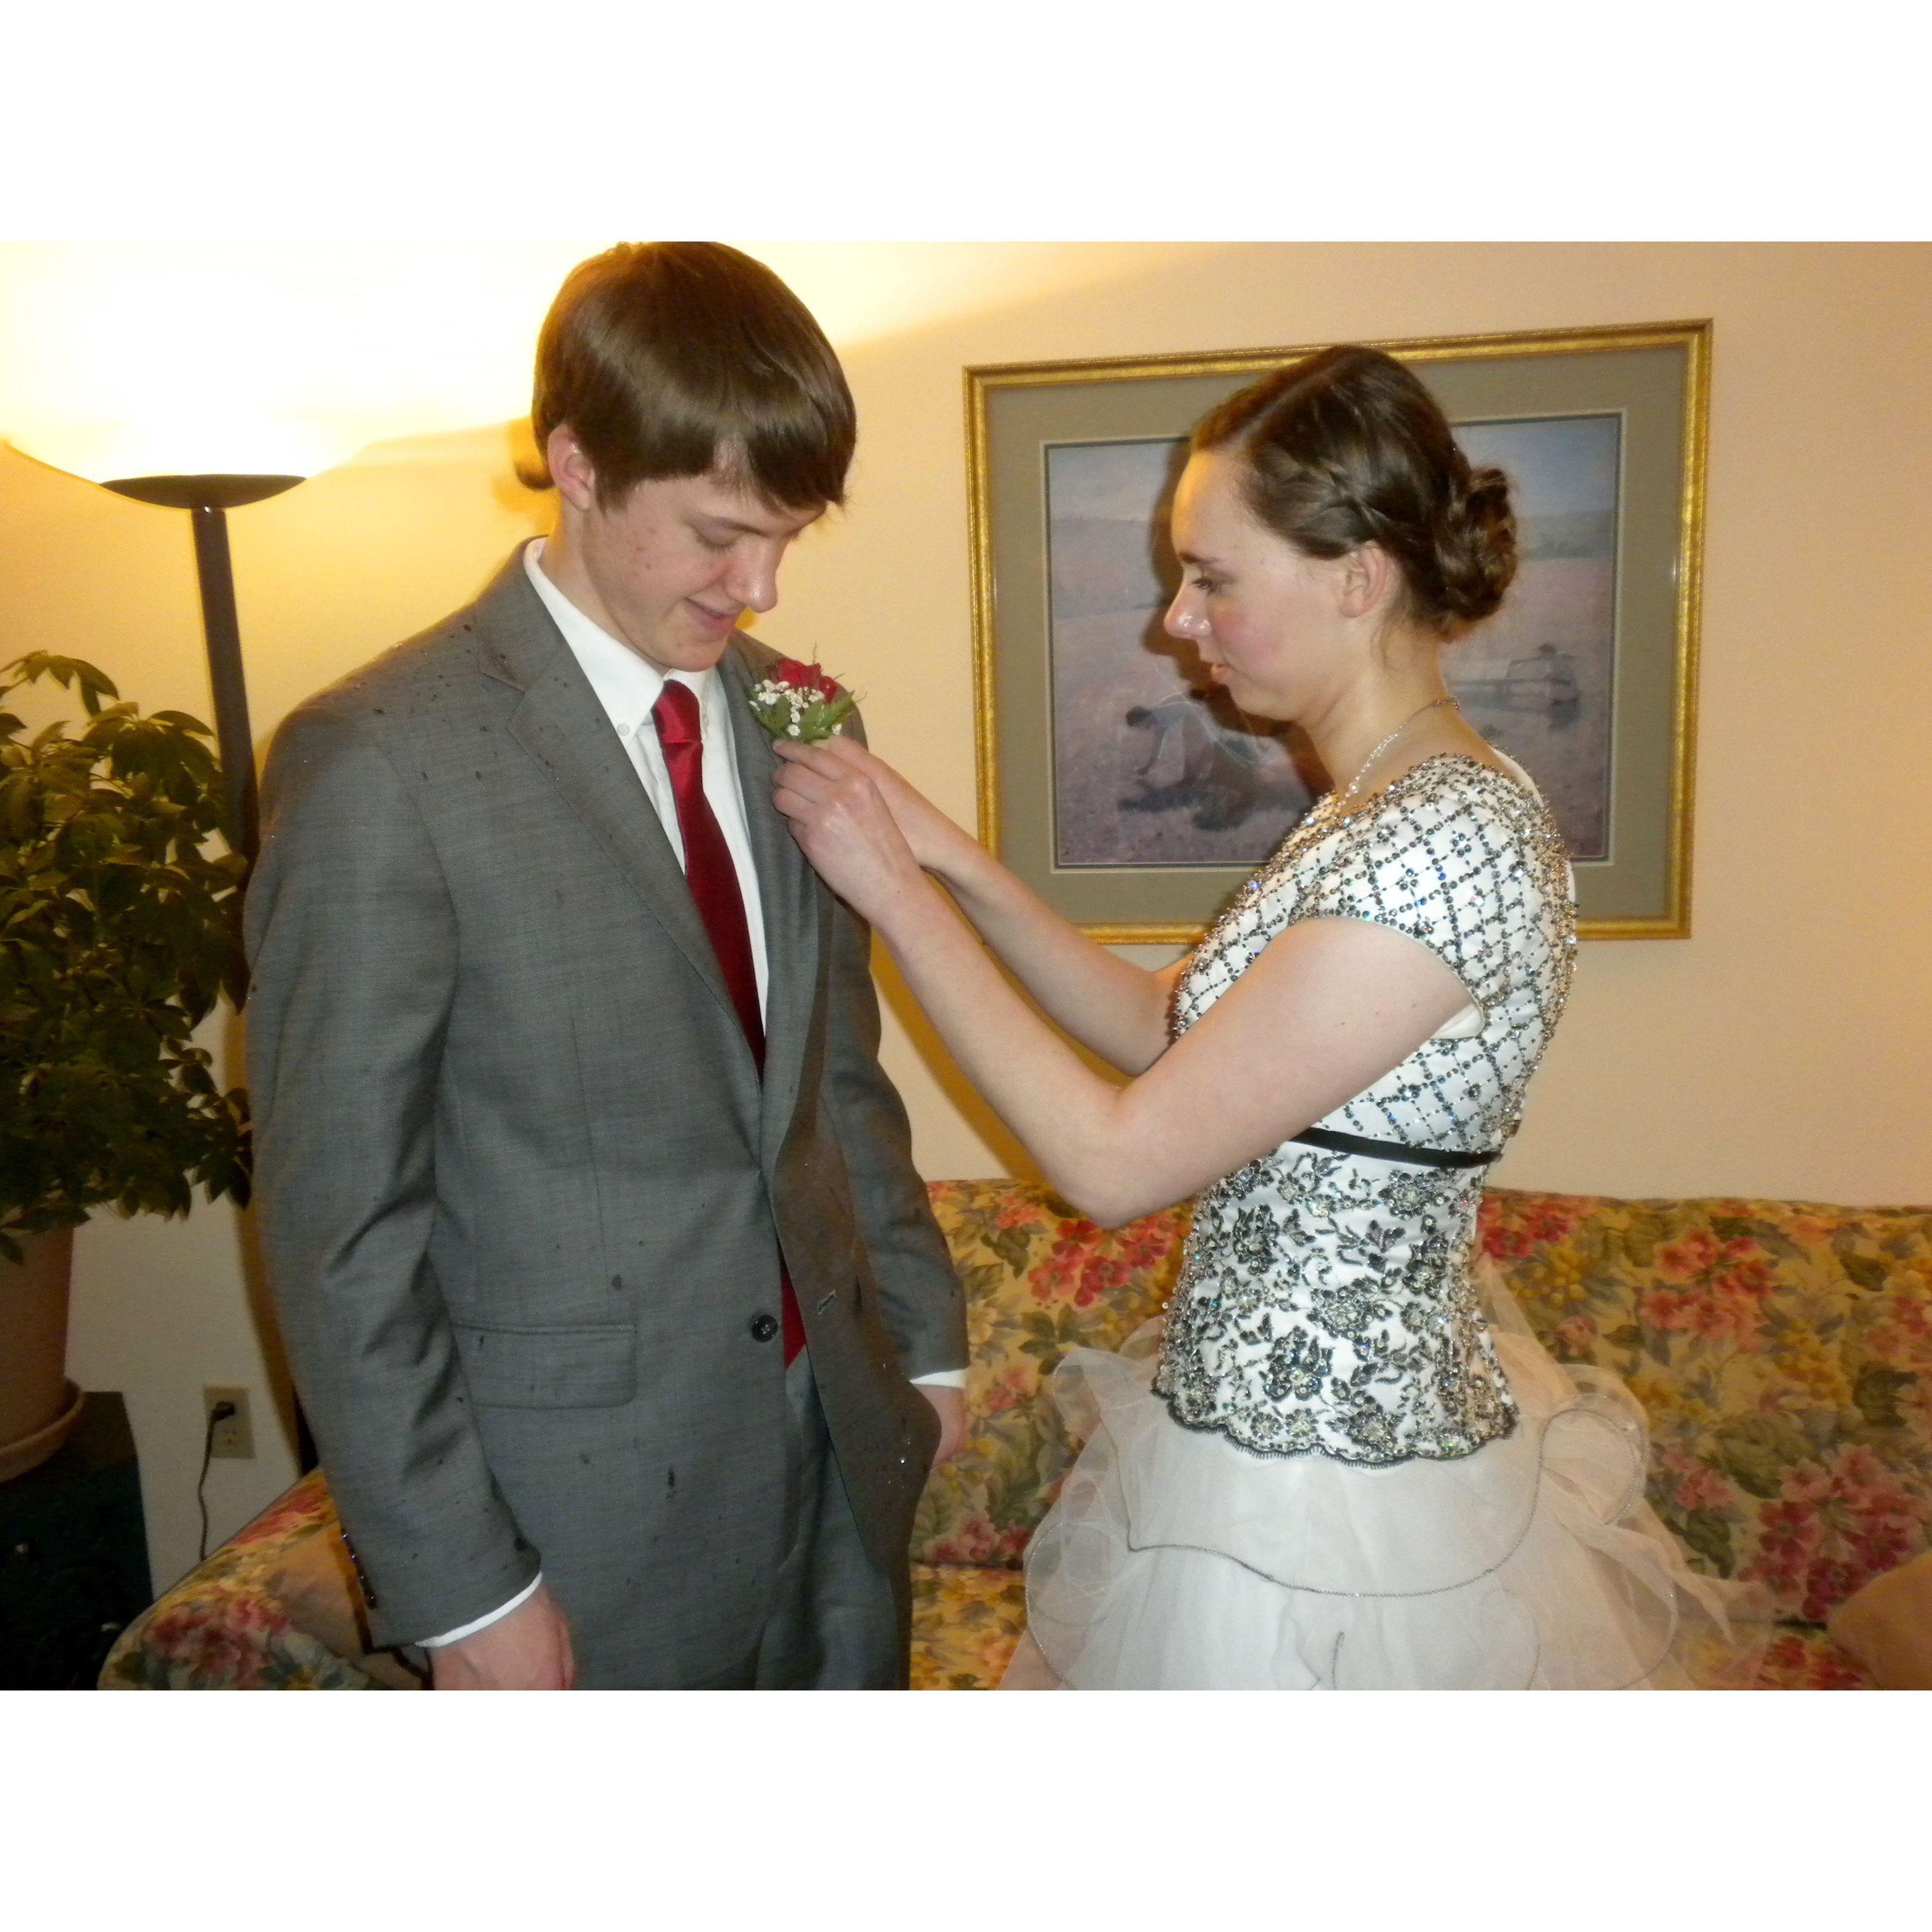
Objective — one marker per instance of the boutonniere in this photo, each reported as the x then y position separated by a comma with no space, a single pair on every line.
799,702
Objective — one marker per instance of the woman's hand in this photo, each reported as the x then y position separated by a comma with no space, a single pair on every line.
932,837
839,815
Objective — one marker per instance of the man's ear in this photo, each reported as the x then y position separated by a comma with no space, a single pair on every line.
571,469
1370,579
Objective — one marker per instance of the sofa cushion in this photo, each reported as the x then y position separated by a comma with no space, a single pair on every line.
1807,1660
1039,1279
966,1620
1784,1353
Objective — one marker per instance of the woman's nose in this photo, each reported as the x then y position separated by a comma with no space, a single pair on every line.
1185,617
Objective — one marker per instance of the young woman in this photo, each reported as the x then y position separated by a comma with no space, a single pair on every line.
1329,1467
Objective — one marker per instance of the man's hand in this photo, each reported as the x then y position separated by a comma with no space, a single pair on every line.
528,1650
949,1406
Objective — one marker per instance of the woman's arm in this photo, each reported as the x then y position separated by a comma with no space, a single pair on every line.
1117,1009
1329,1007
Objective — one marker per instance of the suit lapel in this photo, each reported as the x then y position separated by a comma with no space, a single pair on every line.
559,722
789,892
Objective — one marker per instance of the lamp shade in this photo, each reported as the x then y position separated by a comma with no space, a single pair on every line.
108,452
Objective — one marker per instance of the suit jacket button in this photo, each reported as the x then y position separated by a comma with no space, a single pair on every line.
763,1328
362,1581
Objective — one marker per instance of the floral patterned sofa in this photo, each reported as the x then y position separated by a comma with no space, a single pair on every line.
1783,1351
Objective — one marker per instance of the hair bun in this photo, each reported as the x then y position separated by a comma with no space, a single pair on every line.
1349,447
1475,547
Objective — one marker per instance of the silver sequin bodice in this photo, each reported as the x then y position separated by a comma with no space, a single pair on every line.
1325,1304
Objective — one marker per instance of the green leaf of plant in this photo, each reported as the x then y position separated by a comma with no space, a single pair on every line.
116,933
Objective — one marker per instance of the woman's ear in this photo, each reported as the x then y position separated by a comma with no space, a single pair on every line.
1368,579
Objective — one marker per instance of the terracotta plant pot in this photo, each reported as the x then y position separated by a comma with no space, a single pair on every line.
38,1405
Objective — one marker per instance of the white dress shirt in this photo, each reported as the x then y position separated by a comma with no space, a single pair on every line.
627,689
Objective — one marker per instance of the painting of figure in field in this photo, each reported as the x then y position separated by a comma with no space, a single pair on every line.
1535,680
1154,767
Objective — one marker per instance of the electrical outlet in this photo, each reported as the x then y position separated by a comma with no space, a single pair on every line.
234,1435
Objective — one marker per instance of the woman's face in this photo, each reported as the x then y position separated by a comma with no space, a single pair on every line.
1266,619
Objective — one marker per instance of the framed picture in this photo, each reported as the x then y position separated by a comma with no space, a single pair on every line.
1135,800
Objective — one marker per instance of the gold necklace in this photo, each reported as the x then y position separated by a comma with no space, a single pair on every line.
1435,704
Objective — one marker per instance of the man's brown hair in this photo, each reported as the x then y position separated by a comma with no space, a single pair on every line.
673,359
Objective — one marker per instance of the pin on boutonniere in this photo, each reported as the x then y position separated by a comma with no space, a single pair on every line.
798,701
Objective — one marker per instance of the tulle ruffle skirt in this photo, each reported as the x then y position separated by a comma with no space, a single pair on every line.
1174,1559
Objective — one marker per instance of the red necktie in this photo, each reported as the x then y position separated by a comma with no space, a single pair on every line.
713,880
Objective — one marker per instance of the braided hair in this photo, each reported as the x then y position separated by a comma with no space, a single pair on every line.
1347,448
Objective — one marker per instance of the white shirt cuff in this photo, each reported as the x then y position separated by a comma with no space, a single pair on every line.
522,1597
941,1378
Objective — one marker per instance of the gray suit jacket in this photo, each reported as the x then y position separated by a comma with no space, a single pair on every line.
522,1192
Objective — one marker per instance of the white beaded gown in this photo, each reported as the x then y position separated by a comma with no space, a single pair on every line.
1343,1460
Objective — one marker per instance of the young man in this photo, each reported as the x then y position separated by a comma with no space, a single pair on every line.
605,1272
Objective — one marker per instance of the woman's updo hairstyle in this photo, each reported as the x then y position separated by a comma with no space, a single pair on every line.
1348,448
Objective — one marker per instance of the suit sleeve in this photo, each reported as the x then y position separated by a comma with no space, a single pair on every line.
353,945
919,1289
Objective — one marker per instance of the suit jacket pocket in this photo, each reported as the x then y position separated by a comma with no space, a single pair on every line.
549,1368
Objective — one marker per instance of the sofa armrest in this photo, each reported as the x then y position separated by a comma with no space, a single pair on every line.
273,1608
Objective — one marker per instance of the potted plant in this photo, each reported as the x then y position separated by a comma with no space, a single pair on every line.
118,933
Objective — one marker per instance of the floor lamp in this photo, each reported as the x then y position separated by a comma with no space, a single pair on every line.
207,499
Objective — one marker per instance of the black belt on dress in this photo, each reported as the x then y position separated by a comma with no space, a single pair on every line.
1326,1138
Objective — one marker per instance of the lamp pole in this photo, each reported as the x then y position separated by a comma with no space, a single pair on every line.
207,499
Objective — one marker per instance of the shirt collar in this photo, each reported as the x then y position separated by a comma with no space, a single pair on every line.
624,684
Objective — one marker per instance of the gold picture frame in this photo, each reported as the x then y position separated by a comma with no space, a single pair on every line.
1626,406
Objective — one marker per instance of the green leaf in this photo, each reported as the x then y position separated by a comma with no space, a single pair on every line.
1639,1246
1864,1272
1875,1392
1014,1246
1707,1531
1755,1451
116,934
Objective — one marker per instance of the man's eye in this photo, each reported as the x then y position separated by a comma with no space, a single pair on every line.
711,542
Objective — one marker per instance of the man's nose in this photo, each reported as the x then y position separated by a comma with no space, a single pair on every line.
753,577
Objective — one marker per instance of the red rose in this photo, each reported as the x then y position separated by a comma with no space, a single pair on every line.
788,671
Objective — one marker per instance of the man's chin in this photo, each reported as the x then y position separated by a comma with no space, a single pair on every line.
684,651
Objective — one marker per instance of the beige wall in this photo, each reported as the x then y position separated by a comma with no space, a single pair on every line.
1783,1050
